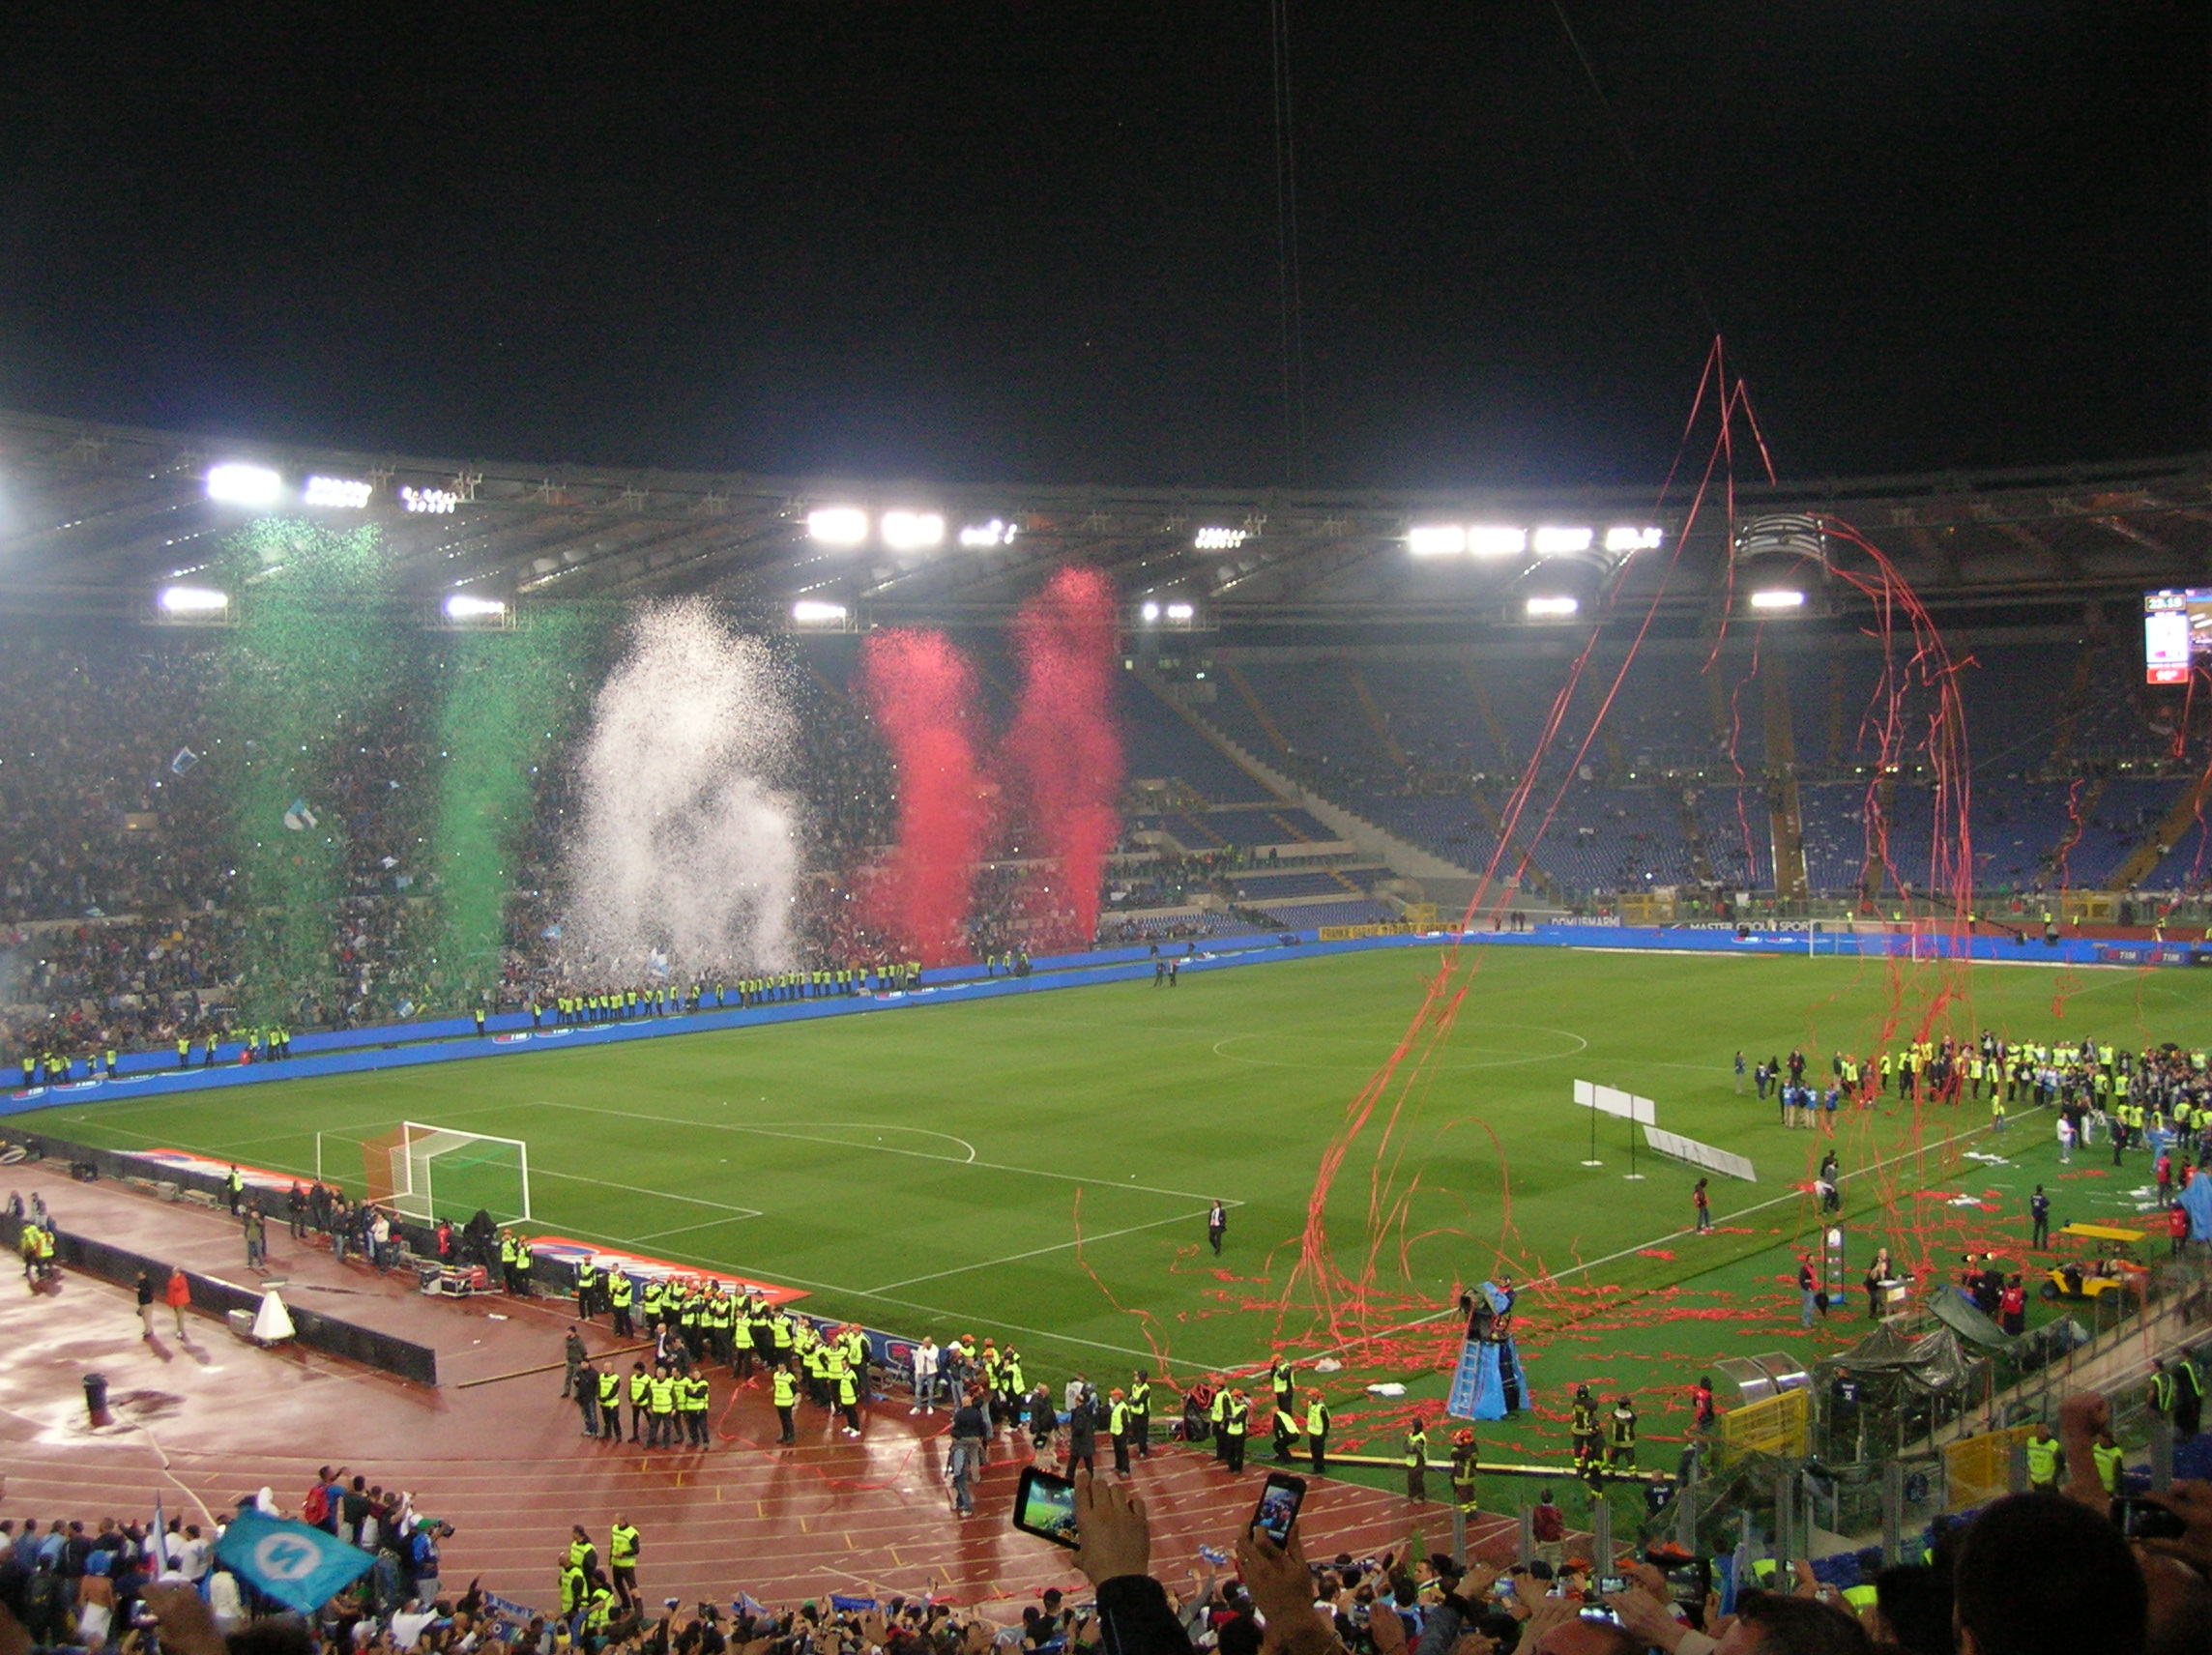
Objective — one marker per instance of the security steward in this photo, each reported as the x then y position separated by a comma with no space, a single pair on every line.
586,1288
622,1293
610,1403
575,1588
1286,1432
2043,1460
660,1427
848,1383
1416,1461
697,1398
1236,1422
1117,1427
640,1400
623,1560
1317,1432
785,1392
2111,1457
1140,1412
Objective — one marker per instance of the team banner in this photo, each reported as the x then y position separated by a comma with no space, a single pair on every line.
301,1567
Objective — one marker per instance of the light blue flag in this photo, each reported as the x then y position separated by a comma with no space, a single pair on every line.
301,1567
2196,1201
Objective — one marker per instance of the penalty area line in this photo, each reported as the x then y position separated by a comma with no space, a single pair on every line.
1040,1252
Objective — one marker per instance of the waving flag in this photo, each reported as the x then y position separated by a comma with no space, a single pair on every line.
301,1567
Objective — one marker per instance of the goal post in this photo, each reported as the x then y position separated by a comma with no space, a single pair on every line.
1915,940
428,1172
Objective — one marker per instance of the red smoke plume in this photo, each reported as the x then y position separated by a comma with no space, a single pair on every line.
1066,747
922,693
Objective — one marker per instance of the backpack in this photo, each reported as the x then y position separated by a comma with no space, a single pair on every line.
316,1509
44,1601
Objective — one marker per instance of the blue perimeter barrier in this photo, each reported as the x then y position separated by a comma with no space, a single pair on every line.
361,1051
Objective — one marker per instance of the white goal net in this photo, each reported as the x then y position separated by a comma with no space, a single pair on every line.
428,1172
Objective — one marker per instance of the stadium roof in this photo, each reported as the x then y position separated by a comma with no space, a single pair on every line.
93,519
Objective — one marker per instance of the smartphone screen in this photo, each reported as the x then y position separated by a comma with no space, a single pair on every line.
1278,1507
2141,1519
1609,1585
1044,1505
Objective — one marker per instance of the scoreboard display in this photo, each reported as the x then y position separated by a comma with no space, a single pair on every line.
2177,633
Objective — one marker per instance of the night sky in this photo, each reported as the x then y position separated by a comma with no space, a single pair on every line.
1036,242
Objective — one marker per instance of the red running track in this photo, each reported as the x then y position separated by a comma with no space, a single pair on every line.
207,1419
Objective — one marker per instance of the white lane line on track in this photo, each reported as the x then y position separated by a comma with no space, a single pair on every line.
883,1149
1040,1252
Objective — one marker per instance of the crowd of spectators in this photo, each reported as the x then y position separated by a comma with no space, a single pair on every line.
120,923
2044,1573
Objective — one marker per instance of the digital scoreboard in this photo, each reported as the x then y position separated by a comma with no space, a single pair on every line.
2177,633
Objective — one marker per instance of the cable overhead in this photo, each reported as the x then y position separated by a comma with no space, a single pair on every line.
1668,226
1290,286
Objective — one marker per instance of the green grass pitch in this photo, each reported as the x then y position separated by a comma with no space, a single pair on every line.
931,1167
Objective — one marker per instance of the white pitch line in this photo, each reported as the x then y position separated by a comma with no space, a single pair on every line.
703,1224
883,1149
658,1195
735,1213
1039,1252
1671,1235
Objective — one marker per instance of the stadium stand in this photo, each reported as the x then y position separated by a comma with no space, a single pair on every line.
114,888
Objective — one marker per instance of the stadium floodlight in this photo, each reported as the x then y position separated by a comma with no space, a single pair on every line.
1554,541
1219,540
1778,597
343,493
1623,539
814,611
1552,608
1496,540
236,483
1151,612
837,525
911,531
192,600
1436,540
1182,612
438,501
467,606
991,534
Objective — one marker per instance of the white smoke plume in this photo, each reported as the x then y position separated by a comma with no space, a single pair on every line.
686,856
